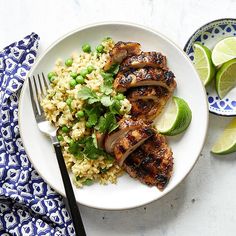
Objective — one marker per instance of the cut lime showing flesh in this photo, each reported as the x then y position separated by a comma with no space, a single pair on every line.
226,78
175,118
224,51
203,63
226,143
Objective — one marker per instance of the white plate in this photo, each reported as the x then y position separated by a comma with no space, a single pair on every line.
127,193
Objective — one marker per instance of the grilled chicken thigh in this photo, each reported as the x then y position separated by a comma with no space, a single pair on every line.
144,77
120,51
132,140
144,59
151,163
148,102
125,125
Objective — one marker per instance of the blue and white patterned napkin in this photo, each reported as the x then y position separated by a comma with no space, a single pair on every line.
28,206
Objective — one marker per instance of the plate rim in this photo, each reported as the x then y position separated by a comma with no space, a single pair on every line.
201,28
125,23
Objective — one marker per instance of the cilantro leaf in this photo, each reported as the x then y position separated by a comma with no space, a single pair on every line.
87,94
93,113
106,101
114,69
107,123
106,89
115,107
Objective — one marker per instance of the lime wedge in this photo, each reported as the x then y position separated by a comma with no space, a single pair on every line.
224,51
226,78
175,118
203,63
226,143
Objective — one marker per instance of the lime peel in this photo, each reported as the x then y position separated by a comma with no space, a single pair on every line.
226,142
224,51
203,63
175,118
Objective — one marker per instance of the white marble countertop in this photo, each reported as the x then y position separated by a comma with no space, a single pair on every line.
205,202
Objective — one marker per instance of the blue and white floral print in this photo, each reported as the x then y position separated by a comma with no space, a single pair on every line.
28,206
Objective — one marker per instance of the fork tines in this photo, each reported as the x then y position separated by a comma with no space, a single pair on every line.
38,88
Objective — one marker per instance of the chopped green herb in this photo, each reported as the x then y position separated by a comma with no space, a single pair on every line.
88,182
107,123
87,94
106,101
115,107
114,69
93,113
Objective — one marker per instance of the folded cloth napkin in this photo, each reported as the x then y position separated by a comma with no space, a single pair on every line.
28,206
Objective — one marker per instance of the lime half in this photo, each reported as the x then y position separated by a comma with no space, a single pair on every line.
203,63
226,78
226,143
224,51
175,118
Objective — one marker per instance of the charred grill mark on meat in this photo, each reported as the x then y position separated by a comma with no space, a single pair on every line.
151,163
132,140
120,51
145,59
144,77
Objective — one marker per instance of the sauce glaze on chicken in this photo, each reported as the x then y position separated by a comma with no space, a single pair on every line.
148,84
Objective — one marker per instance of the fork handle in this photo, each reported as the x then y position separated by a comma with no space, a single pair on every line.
74,209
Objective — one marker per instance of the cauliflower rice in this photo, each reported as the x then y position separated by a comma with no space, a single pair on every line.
57,110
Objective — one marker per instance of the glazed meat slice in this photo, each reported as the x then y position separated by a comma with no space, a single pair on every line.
144,77
151,163
145,59
147,92
132,140
120,51
148,102
125,125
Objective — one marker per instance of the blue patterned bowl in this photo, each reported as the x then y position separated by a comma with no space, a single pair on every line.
209,35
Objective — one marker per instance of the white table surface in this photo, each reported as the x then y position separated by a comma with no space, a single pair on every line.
205,202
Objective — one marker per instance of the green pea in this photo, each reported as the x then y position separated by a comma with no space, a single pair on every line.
84,72
71,143
86,48
73,75
120,96
52,79
69,101
50,75
65,129
100,48
80,79
73,83
90,69
80,114
60,138
69,62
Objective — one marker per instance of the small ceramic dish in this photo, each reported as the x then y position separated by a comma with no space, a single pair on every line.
208,35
